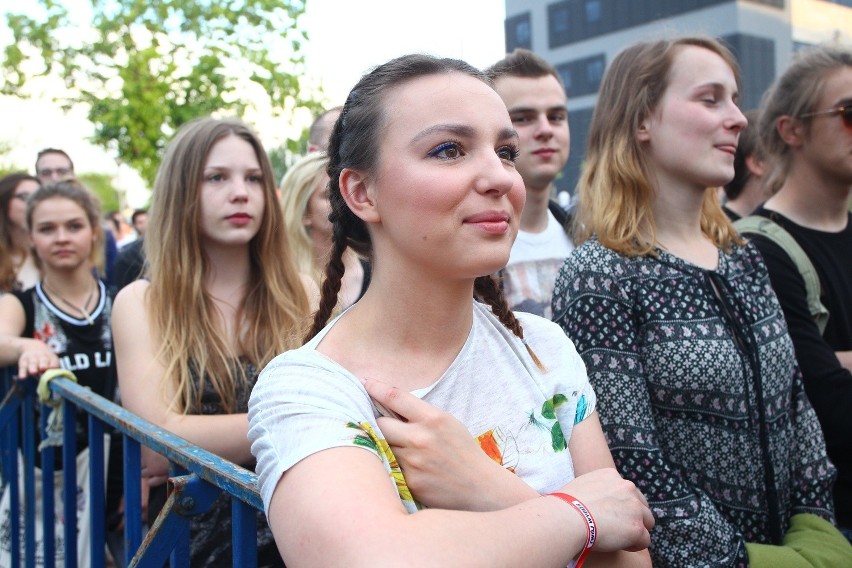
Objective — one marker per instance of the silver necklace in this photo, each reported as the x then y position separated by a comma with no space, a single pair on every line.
81,309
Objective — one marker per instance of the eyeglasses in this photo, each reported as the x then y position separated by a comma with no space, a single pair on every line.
845,112
23,196
61,172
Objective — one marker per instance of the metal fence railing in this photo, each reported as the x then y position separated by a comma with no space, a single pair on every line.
197,478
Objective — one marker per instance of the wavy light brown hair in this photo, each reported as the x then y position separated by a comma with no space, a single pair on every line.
74,191
615,188
181,310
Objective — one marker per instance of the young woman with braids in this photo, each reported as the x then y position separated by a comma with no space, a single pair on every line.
419,399
221,298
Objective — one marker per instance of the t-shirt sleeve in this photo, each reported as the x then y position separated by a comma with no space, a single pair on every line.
564,368
586,398
300,406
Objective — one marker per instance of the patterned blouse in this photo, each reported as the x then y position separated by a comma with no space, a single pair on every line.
700,397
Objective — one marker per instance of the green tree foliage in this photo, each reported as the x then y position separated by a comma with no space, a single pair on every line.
144,68
286,155
101,185
6,166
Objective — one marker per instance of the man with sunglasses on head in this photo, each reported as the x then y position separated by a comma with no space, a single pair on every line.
806,131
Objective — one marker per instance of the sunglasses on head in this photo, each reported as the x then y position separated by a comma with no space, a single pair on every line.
845,112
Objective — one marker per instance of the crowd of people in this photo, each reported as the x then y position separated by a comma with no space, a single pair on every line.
654,375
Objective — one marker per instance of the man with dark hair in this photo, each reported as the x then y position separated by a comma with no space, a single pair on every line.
53,164
139,220
320,130
746,192
130,264
535,98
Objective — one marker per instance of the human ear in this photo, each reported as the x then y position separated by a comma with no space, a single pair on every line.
643,133
306,217
755,165
359,195
791,130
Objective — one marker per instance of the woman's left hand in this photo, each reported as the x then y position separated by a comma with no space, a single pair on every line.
442,462
155,468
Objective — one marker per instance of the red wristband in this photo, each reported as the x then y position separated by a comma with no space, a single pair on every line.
590,524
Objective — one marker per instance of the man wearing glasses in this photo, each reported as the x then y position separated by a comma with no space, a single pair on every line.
53,165
806,130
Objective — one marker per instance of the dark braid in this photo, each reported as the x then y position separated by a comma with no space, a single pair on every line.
331,283
488,290
347,231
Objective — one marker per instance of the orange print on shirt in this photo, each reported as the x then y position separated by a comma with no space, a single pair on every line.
489,445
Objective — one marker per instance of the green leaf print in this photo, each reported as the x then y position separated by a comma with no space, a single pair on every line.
558,438
365,441
550,405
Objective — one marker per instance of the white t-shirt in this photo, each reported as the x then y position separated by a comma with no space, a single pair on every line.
304,402
534,262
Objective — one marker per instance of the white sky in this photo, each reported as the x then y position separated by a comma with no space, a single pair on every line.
346,39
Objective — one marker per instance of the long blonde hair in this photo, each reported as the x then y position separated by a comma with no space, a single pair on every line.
614,188
297,186
182,311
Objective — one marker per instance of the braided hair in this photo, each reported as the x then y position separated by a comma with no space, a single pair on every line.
354,145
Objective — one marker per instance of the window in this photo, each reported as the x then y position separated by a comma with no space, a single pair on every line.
594,71
593,11
518,32
522,33
565,75
582,76
559,19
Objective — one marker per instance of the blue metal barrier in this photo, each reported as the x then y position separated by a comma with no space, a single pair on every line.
197,478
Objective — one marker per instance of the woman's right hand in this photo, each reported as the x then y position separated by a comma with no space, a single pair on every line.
621,513
443,464
35,358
